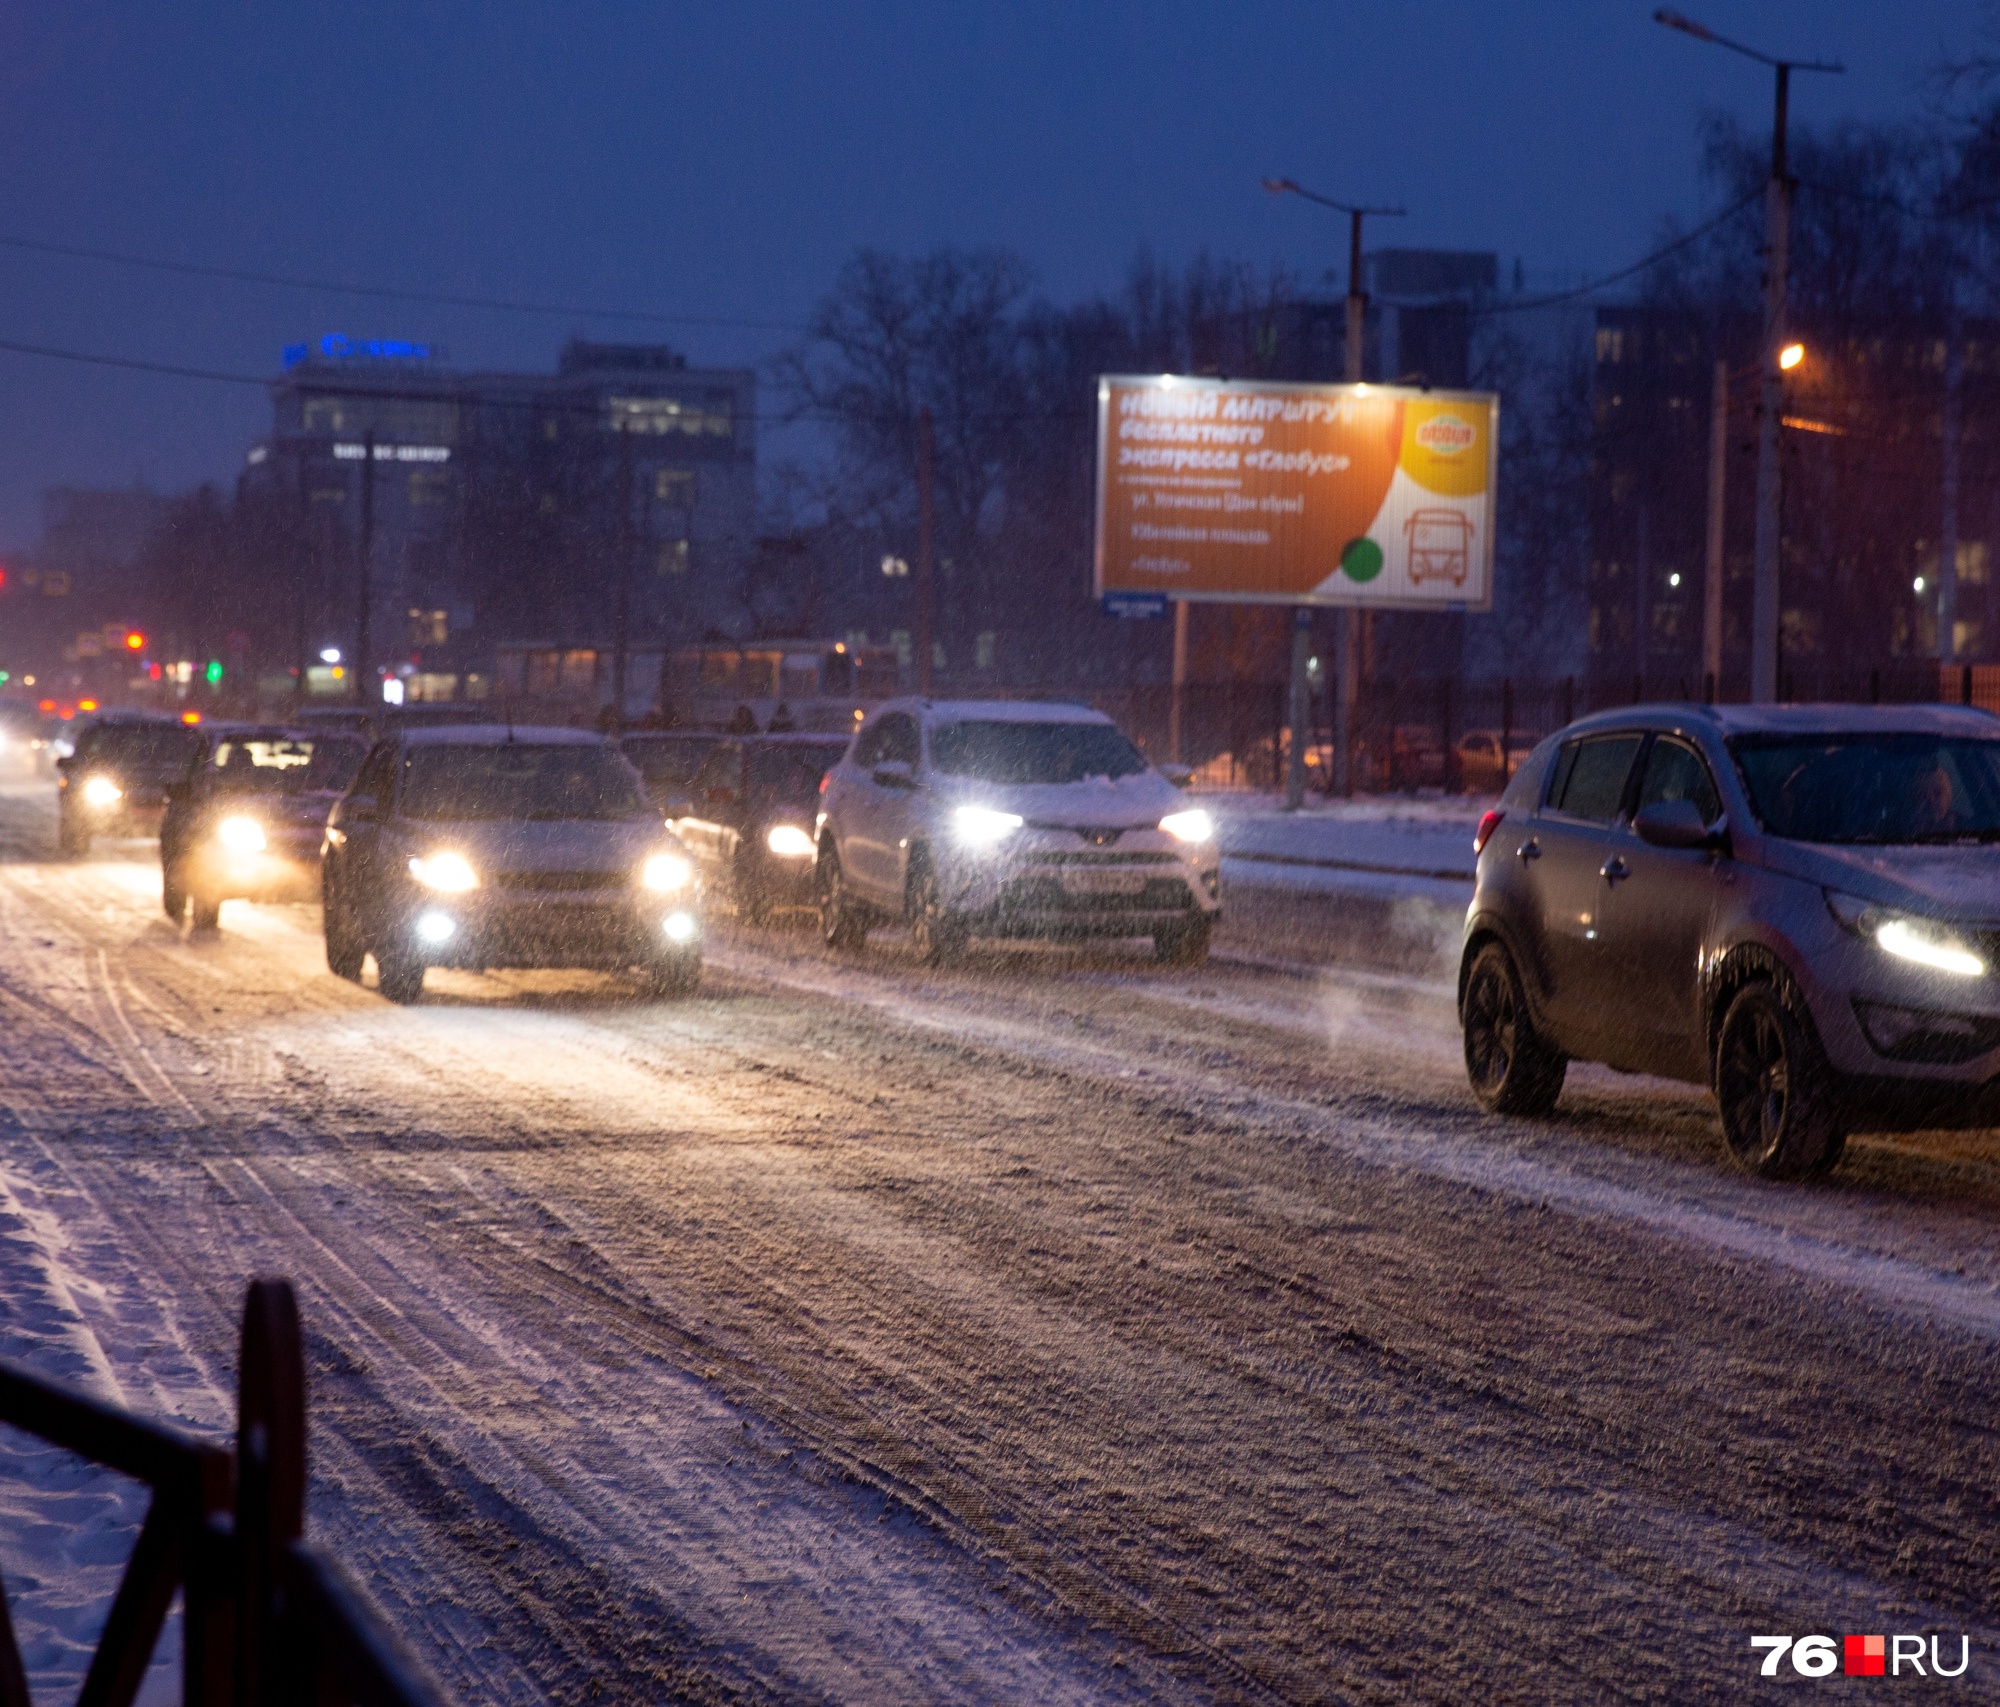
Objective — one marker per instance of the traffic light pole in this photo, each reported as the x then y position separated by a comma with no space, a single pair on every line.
364,640
1766,590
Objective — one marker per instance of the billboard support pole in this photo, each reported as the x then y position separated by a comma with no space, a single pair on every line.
1174,753
1346,635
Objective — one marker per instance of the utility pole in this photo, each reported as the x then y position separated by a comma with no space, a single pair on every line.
1954,407
1711,588
1180,680
926,568
1347,631
364,644
621,644
300,642
1765,598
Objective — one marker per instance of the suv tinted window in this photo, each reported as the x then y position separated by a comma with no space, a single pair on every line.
1591,774
892,740
147,745
1675,771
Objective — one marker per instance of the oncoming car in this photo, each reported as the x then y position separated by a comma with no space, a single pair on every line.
750,814
1797,906
1010,819
492,846
247,824
115,782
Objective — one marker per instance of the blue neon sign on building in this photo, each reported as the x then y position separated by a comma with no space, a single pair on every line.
337,347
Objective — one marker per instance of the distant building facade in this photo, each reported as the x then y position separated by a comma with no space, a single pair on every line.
511,505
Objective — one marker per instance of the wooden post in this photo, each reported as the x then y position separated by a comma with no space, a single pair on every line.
271,1487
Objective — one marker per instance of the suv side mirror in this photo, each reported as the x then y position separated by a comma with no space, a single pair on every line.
64,762
1678,824
1179,775
894,773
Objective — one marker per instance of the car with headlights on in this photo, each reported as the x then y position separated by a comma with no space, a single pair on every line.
970,818
668,760
504,846
1796,906
114,781
247,823
750,817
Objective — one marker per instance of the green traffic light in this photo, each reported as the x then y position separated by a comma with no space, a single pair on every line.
213,673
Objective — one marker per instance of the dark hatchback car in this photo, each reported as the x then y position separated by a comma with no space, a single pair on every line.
668,760
247,822
115,783
1797,906
482,847
749,821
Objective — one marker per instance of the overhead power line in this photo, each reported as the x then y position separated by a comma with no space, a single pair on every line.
446,299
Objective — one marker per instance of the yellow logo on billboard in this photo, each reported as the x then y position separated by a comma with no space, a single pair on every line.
1445,446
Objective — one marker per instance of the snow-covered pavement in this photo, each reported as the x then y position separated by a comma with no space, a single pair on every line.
1058,1329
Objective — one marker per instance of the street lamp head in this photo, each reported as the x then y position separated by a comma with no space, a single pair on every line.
1686,25
1281,186
1791,355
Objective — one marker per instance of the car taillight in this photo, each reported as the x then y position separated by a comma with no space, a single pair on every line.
1487,825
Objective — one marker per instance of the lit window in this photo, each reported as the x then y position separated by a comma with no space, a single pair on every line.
674,486
673,557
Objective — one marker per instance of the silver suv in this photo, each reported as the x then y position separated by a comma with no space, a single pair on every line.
1006,819
1798,906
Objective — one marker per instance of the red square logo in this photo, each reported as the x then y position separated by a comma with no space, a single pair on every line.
1866,1655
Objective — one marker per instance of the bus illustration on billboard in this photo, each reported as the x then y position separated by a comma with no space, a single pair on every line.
1440,545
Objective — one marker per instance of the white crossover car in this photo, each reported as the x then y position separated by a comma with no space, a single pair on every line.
1005,819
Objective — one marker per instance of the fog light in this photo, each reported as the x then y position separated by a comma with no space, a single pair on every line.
680,927
101,791
241,835
788,841
436,927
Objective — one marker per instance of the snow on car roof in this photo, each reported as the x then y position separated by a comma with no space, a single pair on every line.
498,735
1918,719
1008,711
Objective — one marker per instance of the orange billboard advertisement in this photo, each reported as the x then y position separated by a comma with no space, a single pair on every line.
1253,492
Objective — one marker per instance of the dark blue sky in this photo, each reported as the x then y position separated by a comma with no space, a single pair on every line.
723,160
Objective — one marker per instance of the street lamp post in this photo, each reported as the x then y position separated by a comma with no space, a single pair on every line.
1347,651
1764,610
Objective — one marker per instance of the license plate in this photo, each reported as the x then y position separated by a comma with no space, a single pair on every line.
1103,882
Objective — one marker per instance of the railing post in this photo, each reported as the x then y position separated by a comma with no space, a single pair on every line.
270,1490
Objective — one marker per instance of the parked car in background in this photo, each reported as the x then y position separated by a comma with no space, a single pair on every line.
115,781
1010,819
1481,769
494,845
1798,906
750,819
668,760
247,822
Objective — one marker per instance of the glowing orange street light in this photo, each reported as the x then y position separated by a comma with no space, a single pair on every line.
190,717
86,705
1791,355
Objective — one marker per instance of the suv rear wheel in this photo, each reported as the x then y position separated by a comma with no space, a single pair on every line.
1513,1071
1778,1118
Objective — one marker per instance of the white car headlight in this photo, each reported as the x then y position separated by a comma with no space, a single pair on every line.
666,873
241,835
101,791
788,841
982,826
1191,826
448,873
1923,942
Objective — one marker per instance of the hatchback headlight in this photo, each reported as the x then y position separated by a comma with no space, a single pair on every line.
101,791
1191,826
448,873
788,841
241,835
982,826
1923,942
666,873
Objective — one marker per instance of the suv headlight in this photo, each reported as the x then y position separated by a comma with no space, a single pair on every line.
982,826
788,841
448,873
241,835
101,791
665,873
1923,942
1191,826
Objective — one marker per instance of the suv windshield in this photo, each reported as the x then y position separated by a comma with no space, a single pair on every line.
792,774
519,780
1006,752
1873,788
150,746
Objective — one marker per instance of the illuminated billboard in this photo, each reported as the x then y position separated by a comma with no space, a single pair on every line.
1249,492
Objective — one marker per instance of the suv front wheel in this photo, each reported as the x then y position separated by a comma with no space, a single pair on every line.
1778,1118
842,922
938,933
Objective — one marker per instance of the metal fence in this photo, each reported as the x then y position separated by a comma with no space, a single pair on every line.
269,1620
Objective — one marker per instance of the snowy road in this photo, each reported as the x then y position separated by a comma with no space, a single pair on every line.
1055,1330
